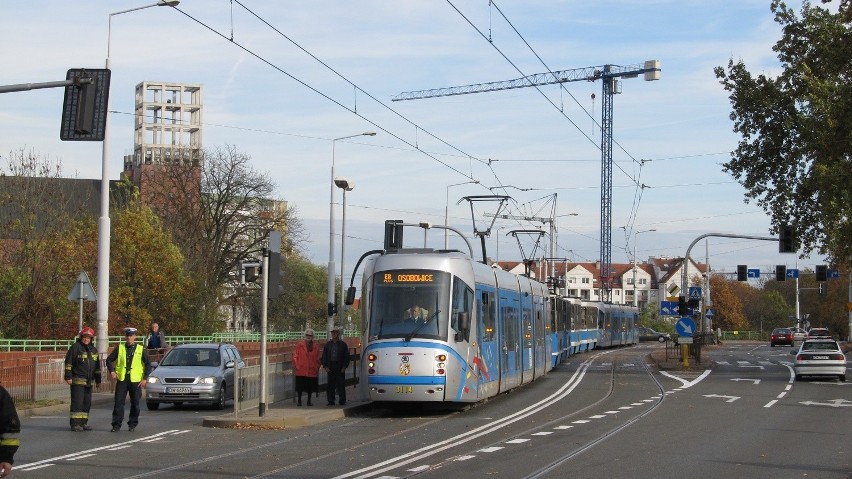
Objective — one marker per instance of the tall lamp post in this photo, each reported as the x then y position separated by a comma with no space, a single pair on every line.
635,239
103,221
344,185
331,302
447,206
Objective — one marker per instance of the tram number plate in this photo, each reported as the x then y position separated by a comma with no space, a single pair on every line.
405,389
178,390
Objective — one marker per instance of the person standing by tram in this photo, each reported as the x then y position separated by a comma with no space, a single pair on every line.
306,366
335,360
128,364
82,372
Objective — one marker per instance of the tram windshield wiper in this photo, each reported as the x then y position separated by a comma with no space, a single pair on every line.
421,326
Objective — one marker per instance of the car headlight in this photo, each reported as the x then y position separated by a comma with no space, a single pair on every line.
210,380
153,380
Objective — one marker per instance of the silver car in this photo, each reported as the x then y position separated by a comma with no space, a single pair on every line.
820,357
194,373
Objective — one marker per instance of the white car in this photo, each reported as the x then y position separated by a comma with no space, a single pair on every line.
799,334
820,357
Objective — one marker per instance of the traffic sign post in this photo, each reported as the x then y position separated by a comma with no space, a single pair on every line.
685,329
82,291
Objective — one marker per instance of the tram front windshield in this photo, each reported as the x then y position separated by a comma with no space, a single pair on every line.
410,304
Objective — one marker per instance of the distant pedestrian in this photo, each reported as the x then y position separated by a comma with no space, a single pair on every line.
10,428
129,366
306,365
335,360
82,372
156,338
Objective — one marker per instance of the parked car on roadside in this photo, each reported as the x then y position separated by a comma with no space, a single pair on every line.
783,336
819,333
799,334
820,357
648,334
194,373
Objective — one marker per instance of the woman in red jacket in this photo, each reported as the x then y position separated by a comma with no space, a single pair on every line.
306,365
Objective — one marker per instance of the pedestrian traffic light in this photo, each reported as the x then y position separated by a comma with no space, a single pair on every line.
787,240
682,306
821,272
332,309
780,272
823,289
742,272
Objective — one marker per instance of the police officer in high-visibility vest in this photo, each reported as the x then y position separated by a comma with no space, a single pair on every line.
82,372
129,366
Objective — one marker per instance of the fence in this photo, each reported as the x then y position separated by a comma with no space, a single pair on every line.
743,336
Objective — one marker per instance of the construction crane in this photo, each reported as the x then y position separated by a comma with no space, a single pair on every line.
609,76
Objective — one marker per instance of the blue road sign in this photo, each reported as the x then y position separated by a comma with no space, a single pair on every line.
792,273
668,308
833,274
710,313
694,292
753,273
685,327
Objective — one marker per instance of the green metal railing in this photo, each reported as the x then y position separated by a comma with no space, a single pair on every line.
64,344
743,336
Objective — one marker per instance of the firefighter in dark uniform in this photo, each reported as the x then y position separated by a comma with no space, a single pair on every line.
129,366
82,372
10,428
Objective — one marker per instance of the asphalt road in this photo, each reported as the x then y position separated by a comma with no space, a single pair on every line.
605,414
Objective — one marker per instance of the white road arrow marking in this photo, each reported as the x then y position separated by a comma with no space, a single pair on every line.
832,403
726,398
756,381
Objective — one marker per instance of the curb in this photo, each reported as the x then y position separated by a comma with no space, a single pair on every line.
286,418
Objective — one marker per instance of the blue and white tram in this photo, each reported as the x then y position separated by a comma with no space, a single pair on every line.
579,326
478,330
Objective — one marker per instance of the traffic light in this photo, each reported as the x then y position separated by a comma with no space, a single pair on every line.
786,239
682,306
274,288
332,309
780,272
821,272
823,289
84,108
742,272
393,234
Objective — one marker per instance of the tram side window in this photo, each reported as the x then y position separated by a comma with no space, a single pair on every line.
462,302
489,315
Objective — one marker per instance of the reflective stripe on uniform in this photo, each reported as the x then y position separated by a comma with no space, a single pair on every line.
10,440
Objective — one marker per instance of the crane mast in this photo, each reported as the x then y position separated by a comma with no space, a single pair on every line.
609,75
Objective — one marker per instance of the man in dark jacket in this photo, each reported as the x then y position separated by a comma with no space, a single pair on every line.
10,428
335,360
82,372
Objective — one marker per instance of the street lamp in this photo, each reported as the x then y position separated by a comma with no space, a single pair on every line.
447,206
635,300
103,221
344,185
331,302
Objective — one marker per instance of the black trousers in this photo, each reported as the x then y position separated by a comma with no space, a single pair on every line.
336,383
122,389
81,403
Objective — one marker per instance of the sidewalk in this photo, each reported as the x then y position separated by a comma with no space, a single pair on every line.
285,414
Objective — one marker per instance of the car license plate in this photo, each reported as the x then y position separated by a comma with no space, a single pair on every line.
178,390
820,357
405,389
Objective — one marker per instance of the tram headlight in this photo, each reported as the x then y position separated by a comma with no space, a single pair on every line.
441,358
371,357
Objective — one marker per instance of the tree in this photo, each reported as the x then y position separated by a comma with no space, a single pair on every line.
219,212
729,308
36,207
795,156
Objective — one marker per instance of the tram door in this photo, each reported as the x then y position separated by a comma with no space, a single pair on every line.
488,360
509,328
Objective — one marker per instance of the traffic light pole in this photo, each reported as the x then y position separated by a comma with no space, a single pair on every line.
683,275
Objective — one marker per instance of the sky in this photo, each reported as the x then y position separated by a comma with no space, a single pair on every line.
282,80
